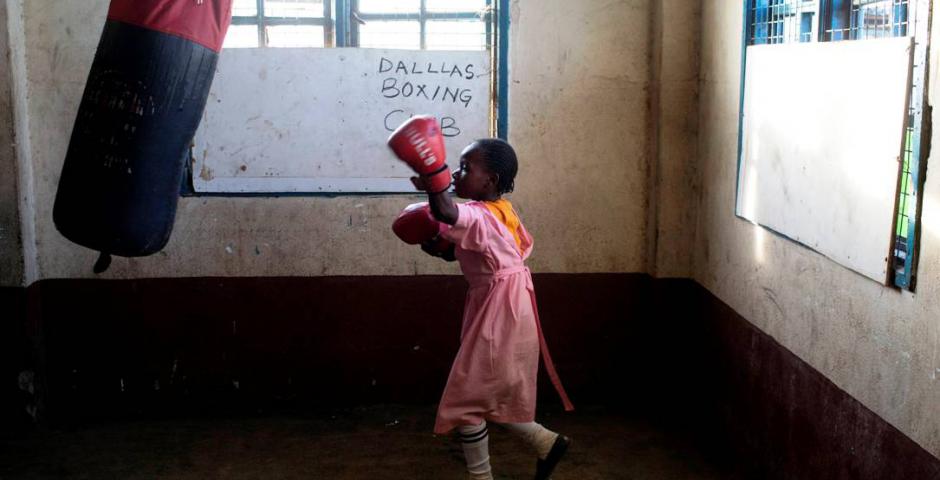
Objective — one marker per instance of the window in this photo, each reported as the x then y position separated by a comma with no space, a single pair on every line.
401,24
375,62
786,21
862,19
280,23
791,21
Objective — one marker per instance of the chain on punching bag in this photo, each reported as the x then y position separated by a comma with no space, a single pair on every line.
145,94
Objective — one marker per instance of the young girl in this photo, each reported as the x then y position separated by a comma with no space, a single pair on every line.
493,377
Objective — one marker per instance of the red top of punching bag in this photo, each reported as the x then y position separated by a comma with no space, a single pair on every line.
200,21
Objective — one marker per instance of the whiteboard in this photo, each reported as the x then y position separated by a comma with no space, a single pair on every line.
316,120
823,127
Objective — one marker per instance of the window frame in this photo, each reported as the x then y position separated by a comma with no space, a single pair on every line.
916,126
345,32
262,21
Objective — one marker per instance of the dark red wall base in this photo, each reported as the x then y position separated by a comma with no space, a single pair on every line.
663,349
114,347
16,355
786,417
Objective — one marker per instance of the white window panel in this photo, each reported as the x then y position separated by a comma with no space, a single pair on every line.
241,36
395,34
294,8
456,35
245,8
442,6
389,6
295,36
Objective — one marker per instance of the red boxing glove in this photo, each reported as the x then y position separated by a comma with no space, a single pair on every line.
419,143
416,225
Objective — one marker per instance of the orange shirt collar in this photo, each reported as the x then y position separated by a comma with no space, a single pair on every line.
503,211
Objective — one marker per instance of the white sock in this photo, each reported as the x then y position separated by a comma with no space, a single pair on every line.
475,441
539,437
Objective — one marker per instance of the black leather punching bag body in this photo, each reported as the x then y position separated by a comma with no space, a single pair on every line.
144,98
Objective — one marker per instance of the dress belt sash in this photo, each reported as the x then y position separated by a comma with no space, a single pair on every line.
485,279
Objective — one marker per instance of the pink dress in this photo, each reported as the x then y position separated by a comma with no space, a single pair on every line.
494,374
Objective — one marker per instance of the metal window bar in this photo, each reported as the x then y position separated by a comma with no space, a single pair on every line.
789,21
500,64
342,27
263,21
435,24
864,19
781,21
424,18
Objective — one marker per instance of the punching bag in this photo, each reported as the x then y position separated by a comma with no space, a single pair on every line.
144,98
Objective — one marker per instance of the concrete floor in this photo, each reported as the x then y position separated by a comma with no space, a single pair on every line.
383,442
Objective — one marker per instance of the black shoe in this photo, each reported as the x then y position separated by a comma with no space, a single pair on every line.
544,468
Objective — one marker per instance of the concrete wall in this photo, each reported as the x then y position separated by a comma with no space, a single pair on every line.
880,345
673,187
11,248
579,117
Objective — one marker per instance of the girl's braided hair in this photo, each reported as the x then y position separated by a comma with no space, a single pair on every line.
500,158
